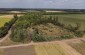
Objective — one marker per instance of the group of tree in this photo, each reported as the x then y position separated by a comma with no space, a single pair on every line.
19,30
4,30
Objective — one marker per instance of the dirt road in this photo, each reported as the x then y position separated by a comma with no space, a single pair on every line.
64,45
4,38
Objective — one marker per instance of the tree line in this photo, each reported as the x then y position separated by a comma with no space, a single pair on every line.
4,30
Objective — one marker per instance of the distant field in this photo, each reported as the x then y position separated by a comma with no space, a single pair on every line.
72,19
4,19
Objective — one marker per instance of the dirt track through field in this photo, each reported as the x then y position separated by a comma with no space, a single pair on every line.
4,38
64,45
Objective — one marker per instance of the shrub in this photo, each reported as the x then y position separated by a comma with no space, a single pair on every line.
79,33
19,35
64,37
49,38
38,37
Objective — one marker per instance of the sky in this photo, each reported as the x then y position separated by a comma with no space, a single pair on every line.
57,4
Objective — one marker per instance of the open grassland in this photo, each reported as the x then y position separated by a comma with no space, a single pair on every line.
72,19
4,19
79,46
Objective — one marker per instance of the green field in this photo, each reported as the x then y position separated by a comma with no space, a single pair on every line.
4,20
72,19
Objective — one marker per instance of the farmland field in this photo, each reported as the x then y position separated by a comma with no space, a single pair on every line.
39,30
49,49
80,47
72,19
4,19
59,48
27,50
1,52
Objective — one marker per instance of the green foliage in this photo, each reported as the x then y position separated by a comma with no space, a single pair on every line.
50,38
64,37
19,35
30,19
79,33
4,30
38,38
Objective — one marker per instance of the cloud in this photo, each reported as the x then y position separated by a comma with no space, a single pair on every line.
7,1
43,4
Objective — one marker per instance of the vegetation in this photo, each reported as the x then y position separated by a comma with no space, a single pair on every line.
20,33
62,13
4,30
3,21
71,19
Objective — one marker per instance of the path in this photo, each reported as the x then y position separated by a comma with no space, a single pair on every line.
64,45
4,38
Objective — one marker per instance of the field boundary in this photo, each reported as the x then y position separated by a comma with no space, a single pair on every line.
37,43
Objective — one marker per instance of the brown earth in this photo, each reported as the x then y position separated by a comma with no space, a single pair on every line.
27,50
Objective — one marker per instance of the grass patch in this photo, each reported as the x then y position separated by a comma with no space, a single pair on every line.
4,20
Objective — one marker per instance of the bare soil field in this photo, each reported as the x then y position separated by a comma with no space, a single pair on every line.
27,50
78,45
1,52
49,49
54,48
